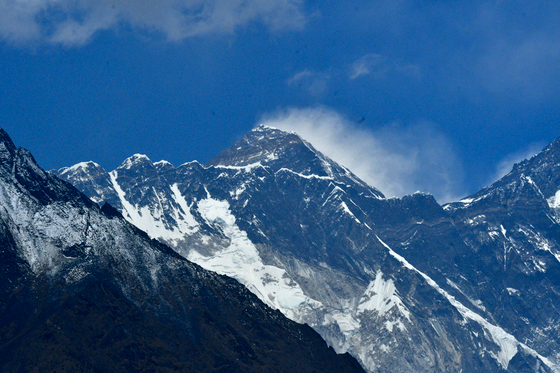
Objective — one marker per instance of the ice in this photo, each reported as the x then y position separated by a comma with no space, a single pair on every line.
346,322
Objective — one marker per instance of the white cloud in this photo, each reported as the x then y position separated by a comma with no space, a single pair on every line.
379,67
74,22
316,83
396,159
369,64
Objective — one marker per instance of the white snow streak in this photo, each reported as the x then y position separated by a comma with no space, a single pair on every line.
152,220
508,344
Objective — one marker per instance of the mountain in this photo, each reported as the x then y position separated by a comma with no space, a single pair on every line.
513,227
83,290
399,283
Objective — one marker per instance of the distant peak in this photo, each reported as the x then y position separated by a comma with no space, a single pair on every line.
7,147
271,131
261,144
84,166
162,163
138,156
134,160
264,127
276,149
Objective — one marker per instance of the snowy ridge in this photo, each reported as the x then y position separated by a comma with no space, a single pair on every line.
508,344
53,223
82,166
152,220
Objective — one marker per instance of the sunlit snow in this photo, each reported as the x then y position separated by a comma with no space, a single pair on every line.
241,261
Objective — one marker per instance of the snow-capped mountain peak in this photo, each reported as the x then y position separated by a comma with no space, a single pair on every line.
280,150
135,161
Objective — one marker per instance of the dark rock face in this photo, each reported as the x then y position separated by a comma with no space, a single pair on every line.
513,228
404,285
83,290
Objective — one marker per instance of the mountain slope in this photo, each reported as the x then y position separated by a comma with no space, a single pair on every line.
83,290
513,225
313,241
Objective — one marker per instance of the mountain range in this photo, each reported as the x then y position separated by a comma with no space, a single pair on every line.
402,284
83,290
201,267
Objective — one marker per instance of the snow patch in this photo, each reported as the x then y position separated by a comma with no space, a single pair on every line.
345,208
381,296
554,201
475,302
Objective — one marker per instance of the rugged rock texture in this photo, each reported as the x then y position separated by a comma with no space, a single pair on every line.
81,289
404,285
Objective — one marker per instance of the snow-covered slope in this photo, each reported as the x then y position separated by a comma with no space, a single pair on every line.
313,241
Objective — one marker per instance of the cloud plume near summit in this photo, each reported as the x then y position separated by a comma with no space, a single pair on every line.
396,159
74,22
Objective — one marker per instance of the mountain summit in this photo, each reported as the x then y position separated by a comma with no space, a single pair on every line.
280,150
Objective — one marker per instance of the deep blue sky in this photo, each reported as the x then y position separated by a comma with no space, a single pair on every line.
451,93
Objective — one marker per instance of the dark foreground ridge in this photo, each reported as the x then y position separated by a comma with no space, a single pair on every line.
82,290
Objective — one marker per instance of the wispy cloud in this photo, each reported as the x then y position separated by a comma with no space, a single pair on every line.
368,64
510,49
74,22
316,83
396,159
378,66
